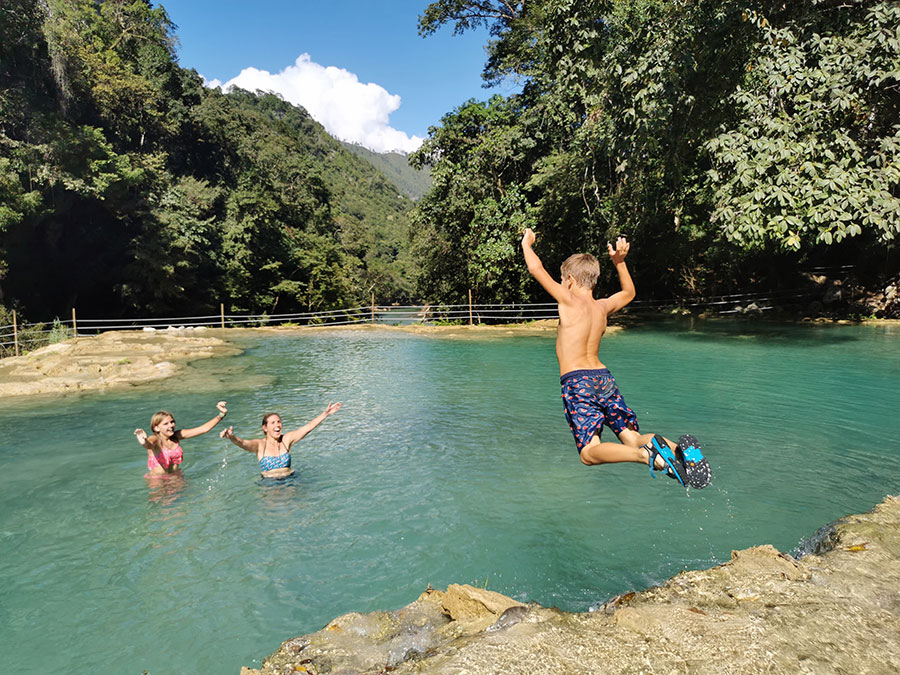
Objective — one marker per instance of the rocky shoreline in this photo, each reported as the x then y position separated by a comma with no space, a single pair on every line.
110,360
835,610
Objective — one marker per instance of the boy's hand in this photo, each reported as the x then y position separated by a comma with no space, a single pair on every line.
528,237
618,253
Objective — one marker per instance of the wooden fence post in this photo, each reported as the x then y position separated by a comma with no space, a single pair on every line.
222,313
373,307
470,306
15,333
74,324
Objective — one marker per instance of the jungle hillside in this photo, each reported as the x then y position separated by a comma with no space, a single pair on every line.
129,188
414,183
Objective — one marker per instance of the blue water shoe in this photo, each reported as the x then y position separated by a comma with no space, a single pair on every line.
674,466
696,466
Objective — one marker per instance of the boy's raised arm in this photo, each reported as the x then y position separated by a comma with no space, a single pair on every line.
618,300
536,268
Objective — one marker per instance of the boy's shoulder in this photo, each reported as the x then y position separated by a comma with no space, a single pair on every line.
584,307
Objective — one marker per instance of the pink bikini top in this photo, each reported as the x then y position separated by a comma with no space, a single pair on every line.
166,458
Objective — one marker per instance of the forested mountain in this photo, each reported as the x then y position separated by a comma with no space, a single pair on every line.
127,187
395,166
736,144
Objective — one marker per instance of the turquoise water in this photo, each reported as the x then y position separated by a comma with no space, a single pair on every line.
450,463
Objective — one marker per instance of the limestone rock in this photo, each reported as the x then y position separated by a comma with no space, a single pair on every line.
832,611
474,609
108,360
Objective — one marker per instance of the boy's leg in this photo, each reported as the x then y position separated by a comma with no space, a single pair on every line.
642,441
631,437
623,422
598,452
632,449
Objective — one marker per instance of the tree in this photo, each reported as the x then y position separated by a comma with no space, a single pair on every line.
720,137
468,225
128,187
814,154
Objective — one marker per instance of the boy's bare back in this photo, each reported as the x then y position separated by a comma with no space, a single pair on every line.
582,319
582,323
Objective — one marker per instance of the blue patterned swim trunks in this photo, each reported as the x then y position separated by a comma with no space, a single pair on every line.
592,399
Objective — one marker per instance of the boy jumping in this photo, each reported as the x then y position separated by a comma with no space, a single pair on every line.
590,395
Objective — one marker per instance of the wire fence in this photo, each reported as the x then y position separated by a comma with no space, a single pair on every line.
18,338
22,337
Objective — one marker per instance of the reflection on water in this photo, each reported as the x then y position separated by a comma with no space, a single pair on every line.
450,462
279,496
164,489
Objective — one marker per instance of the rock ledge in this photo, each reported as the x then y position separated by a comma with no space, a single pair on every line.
835,610
109,360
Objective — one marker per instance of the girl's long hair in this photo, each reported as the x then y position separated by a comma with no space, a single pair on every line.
158,418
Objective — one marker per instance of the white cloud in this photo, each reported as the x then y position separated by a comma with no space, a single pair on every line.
347,108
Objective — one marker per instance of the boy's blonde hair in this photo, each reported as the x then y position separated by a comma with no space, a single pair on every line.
583,267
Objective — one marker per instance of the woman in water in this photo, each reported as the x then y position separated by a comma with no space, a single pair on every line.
164,452
274,451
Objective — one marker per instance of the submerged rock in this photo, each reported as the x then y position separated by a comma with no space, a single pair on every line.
835,610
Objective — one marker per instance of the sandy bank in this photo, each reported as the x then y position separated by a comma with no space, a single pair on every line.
542,327
108,360
837,611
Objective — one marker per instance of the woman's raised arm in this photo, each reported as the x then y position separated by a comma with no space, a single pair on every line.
293,436
250,444
203,428
142,438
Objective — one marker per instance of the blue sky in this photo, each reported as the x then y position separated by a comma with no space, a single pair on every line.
355,59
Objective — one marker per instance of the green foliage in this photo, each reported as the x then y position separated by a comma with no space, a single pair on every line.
58,332
720,137
29,337
467,14
127,187
468,226
730,141
815,155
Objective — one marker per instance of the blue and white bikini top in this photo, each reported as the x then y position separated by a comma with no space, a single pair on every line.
282,461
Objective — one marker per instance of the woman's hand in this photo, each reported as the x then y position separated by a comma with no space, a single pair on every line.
222,409
332,408
141,436
227,433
